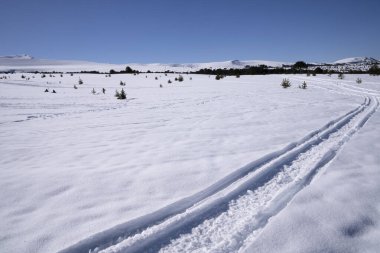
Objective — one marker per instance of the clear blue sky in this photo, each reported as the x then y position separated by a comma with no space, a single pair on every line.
119,31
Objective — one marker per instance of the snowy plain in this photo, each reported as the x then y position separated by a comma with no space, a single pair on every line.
74,163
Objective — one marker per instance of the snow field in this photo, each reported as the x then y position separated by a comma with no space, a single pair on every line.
74,164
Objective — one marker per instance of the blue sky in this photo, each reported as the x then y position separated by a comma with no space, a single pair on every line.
119,31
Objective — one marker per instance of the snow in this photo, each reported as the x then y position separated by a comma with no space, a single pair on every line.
340,210
74,164
354,60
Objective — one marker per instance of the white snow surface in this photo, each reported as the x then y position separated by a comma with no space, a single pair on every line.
74,163
340,210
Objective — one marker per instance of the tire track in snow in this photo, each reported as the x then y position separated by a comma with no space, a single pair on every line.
153,231
223,223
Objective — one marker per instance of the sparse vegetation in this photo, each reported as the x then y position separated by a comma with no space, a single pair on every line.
285,83
303,85
80,81
358,80
341,76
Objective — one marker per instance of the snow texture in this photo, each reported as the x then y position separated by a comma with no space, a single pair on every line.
83,171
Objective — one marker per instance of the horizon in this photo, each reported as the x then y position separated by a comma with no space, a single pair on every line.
226,60
121,32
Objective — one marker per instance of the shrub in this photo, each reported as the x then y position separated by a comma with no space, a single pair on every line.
180,78
218,77
285,83
237,76
121,94
303,85
374,70
122,83
314,74
75,86
43,76
359,80
307,74
169,81
93,91
80,81
341,76
161,86
156,78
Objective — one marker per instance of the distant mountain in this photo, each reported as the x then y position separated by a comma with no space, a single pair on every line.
357,60
16,57
29,63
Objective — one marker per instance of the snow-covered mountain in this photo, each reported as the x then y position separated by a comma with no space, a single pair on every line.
29,63
357,60
16,57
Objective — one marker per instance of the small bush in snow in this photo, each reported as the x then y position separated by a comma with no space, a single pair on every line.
75,86
122,83
341,76
43,76
180,78
80,81
161,86
237,76
314,74
156,78
93,91
169,81
285,83
303,85
359,80
121,94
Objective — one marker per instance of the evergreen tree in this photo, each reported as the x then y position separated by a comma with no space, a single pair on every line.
285,83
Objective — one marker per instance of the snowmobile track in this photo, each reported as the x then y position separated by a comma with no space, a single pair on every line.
298,162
